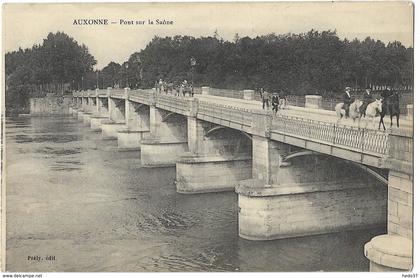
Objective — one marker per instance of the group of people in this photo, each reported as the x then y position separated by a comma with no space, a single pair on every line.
162,86
367,98
277,99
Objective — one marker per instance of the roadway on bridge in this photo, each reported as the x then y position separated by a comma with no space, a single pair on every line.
306,113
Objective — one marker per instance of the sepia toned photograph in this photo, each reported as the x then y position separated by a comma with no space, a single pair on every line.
208,137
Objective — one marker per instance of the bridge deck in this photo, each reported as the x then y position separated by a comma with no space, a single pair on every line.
307,113
312,129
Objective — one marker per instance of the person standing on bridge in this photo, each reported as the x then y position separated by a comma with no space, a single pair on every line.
275,103
282,99
265,96
160,85
347,100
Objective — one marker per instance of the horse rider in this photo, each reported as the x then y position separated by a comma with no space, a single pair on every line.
367,99
347,100
387,93
275,103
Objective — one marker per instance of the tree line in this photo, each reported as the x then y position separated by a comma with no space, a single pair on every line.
308,63
50,67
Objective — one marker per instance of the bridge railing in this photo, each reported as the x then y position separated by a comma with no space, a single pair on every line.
172,102
102,93
117,93
142,96
91,93
233,114
364,140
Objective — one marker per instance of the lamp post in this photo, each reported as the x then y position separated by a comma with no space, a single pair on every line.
126,75
82,83
140,69
193,63
97,79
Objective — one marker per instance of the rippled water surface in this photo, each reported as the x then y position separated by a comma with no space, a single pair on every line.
76,197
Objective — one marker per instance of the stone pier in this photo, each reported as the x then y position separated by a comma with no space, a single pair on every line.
101,114
202,174
217,160
394,250
116,122
167,141
295,192
137,125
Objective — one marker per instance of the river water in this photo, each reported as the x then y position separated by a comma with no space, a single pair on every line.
90,207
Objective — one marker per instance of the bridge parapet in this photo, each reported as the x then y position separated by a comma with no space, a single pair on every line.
235,117
102,93
118,93
142,96
91,93
400,156
359,145
172,103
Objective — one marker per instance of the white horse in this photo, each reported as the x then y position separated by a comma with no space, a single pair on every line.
373,110
354,110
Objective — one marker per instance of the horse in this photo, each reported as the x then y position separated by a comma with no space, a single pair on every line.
354,112
169,87
391,107
188,90
372,110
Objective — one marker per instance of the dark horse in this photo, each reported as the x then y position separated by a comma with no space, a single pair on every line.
390,106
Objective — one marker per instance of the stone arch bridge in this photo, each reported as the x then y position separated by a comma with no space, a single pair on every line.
296,174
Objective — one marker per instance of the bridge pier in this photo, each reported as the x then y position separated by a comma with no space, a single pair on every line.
88,110
217,160
116,108
77,106
80,115
295,192
394,250
101,114
167,141
137,125
313,195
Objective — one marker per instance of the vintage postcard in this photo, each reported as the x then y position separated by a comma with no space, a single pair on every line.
208,137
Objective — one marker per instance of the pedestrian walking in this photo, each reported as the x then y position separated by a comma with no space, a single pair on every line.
347,100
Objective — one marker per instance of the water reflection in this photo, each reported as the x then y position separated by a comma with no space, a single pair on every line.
75,196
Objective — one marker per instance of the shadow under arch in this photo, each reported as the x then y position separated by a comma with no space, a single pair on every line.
285,161
219,127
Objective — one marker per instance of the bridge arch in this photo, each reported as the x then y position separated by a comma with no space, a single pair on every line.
285,161
167,116
219,127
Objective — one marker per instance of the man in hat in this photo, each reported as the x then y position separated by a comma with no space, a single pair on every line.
265,98
275,103
282,98
347,100
367,99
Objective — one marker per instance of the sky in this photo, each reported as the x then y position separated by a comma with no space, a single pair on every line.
28,24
